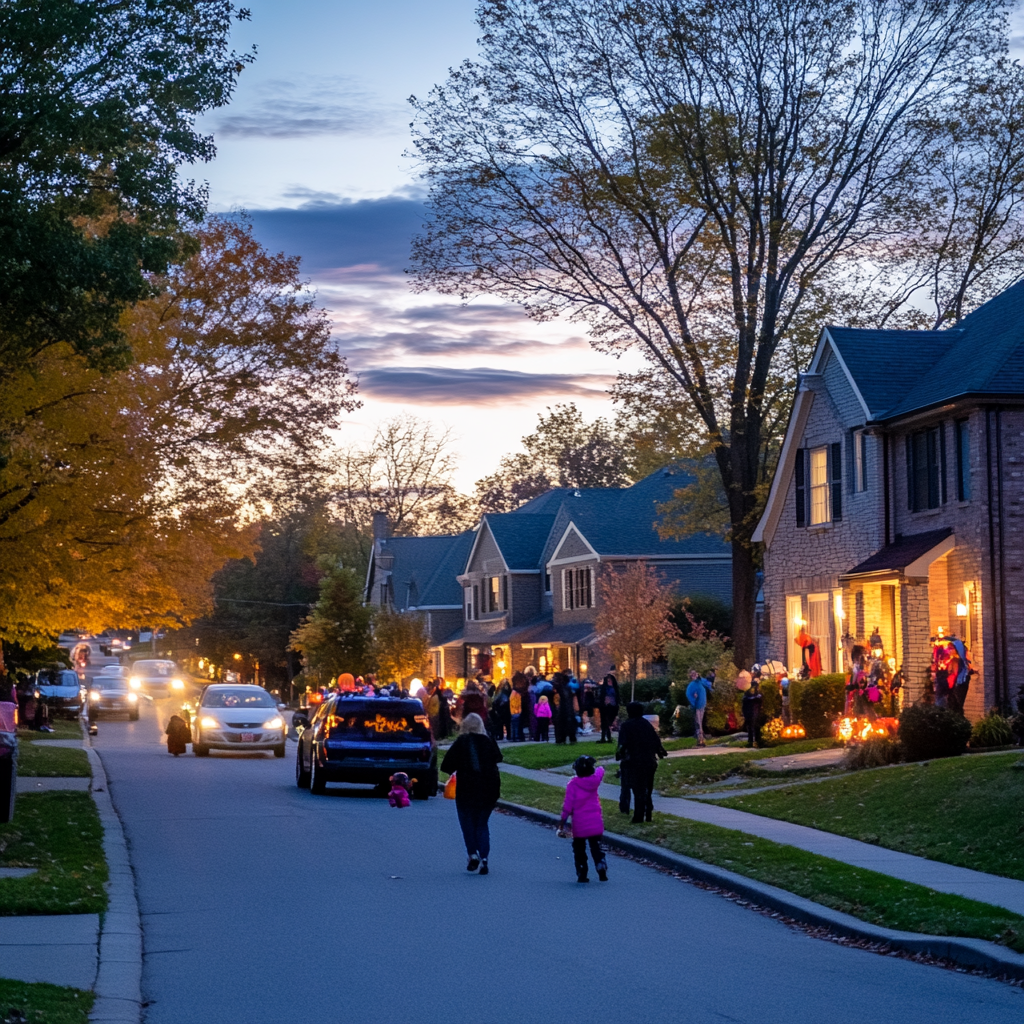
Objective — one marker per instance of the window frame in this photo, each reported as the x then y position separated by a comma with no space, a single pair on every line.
860,461
962,443
820,489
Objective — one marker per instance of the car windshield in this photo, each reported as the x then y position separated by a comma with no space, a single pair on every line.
107,683
386,724
57,677
154,668
238,697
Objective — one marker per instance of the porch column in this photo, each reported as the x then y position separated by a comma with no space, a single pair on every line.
915,642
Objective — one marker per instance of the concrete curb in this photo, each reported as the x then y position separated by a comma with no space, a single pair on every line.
118,985
971,953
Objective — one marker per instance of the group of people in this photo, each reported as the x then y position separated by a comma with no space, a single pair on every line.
473,760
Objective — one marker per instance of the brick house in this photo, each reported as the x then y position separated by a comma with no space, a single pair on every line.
898,501
523,585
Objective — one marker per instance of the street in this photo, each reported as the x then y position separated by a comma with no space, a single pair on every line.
263,903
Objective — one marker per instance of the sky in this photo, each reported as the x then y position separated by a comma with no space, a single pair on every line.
315,147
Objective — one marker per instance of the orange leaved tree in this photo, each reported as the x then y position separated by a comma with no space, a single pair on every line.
634,617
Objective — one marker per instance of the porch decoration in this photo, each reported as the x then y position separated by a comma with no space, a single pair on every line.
853,730
794,732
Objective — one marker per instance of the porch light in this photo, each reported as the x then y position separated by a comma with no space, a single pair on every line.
876,643
961,610
799,623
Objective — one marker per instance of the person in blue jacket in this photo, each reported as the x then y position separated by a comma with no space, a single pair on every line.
697,692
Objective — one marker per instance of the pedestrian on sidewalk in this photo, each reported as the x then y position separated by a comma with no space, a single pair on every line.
608,705
178,735
641,748
543,717
697,692
474,759
515,706
583,805
753,699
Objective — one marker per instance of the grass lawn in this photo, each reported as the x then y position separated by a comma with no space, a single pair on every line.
51,761
44,1004
63,729
967,811
864,894
60,834
554,755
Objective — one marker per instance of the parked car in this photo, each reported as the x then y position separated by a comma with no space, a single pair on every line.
366,739
60,690
111,694
237,716
158,678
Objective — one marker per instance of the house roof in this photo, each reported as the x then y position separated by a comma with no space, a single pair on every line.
443,587
903,552
417,576
520,536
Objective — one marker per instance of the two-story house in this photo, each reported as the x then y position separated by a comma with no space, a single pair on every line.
897,506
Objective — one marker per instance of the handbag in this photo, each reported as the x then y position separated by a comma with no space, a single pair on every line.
449,787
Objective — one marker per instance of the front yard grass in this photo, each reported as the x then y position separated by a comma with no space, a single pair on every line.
44,1004
555,755
51,762
63,729
60,834
867,895
967,811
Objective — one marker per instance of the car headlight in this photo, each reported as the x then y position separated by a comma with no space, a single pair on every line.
209,723
274,723
133,698
135,682
177,684
94,695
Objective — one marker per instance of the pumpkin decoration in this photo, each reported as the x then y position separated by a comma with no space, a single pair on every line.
794,732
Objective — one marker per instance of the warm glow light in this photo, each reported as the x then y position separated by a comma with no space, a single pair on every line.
799,623
177,684
961,610
892,664
274,723
209,723
94,695
415,682
840,614
940,631
238,657
133,698
200,664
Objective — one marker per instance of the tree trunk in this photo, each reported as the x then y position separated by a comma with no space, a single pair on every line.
744,598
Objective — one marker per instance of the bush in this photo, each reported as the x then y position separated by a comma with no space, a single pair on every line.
653,688
816,703
770,733
928,731
771,706
873,753
992,731
682,724
702,655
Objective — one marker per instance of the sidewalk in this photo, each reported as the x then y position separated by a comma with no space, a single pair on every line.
975,885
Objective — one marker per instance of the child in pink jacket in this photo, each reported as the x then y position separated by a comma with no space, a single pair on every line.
583,805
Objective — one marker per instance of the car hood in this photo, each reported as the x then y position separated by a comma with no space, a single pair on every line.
59,691
117,691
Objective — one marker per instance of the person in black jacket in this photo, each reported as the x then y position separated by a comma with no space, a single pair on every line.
753,699
608,705
639,749
475,757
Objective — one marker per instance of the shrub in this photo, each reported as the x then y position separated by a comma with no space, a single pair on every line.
702,655
723,699
873,753
928,731
770,733
816,703
992,731
771,706
683,722
651,688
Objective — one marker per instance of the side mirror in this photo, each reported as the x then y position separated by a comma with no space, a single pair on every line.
281,707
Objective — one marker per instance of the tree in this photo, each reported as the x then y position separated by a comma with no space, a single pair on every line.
634,618
563,451
401,644
98,101
336,636
707,183
405,472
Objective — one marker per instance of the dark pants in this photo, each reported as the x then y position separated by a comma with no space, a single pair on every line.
542,729
607,713
557,722
752,731
624,791
473,822
641,781
579,853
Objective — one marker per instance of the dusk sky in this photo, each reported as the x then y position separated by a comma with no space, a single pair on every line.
315,147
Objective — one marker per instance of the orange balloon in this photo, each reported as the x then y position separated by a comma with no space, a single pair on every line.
346,681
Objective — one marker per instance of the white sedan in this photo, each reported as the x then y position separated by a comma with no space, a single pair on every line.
237,717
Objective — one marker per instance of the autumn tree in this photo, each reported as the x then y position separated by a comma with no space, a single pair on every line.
401,644
709,184
634,618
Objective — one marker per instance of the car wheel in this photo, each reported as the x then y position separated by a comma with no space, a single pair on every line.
317,782
133,716
200,750
301,775
426,788
279,751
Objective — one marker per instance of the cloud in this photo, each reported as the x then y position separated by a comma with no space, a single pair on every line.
316,106
477,386
395,345
373,234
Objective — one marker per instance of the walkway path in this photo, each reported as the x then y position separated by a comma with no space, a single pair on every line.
976,885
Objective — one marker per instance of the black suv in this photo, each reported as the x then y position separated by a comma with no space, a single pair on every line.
366,739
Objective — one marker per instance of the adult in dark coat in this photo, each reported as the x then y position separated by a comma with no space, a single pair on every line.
640,748
753,700
178,736
473,702
564,713
474,756
607,705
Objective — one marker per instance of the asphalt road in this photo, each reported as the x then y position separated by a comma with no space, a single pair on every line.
264,904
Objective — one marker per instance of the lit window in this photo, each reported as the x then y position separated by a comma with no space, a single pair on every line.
493,591
860,461
819,486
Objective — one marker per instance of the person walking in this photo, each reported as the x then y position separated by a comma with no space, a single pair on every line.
608,705
178,736
697,693
542,716
474,758
753,699
640,747
565,709
515,706
583,806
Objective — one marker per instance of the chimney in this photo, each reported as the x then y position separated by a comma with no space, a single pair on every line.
380,526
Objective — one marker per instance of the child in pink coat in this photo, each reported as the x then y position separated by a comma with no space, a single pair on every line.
583,805
400,786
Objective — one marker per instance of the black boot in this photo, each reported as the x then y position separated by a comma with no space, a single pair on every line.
602,869
581,876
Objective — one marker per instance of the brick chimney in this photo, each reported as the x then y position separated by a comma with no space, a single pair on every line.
380,526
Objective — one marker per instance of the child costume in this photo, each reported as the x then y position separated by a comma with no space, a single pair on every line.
583,805
399,794
178,735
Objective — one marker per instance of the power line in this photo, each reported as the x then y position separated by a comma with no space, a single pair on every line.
274,604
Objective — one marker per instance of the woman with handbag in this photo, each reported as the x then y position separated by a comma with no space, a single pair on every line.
473,759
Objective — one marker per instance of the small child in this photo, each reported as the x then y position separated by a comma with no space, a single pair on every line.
583,805
543,716
400,786
178,735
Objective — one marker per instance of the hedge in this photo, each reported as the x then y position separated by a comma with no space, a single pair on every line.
816,703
